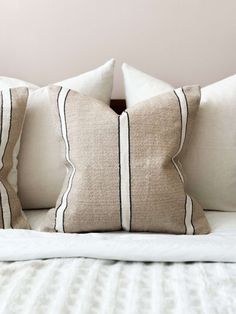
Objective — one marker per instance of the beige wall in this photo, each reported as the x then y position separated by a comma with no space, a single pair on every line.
181,41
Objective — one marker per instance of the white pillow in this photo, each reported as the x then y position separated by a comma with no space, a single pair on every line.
41,170
209,162
5,82
141,86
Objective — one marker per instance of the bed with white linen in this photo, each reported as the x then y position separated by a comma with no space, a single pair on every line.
118,272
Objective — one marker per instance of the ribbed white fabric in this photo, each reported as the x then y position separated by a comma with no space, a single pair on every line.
124,170
90,286
59,226
184,120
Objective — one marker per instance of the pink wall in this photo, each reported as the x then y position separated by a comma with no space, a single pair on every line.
180,41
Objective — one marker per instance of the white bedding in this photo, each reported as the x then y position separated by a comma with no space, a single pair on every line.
97,286
218,246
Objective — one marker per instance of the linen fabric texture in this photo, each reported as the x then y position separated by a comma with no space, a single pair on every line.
209,160
40,169
12,113
123,172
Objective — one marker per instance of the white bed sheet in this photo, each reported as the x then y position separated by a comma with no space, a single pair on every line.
219,245
83,285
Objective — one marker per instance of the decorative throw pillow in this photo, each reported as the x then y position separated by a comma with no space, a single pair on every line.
141,86
123,171
41,170
209,162
12,109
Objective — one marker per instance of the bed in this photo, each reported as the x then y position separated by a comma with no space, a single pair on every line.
118,272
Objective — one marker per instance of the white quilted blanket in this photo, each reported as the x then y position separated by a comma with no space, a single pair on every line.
91,286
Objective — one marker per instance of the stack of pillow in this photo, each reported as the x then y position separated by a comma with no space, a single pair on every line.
153,168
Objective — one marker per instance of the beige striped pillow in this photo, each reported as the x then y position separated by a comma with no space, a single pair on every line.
12,113
123,171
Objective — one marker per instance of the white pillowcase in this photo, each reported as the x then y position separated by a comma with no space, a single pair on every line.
41,170
141,86
209,162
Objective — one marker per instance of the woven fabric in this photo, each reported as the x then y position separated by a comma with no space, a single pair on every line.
123,171
12,108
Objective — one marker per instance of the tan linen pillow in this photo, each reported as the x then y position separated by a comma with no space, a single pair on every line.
209,162
12,113
123,172
40,169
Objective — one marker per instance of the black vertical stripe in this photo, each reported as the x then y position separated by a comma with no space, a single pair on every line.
61,133
130,188
3,224
187,110
187,105
119,173
194,231
63,220
8,200
181,124
63,225
9,130
185,214
185,203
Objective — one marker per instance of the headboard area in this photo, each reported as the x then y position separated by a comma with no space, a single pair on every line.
182,42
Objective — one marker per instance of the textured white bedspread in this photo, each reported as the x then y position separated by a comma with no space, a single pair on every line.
81,285
91,286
